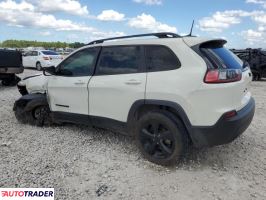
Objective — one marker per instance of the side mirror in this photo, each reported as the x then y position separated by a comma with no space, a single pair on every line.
65,72
50,70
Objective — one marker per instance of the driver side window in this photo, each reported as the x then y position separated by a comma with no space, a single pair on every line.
81,63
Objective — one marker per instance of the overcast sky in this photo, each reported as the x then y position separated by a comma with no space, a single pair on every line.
241,22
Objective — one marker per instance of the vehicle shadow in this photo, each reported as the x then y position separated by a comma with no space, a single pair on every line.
215,158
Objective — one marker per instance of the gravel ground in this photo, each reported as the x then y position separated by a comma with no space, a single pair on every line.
77,160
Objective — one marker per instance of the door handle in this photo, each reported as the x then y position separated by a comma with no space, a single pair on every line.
79,83
133,82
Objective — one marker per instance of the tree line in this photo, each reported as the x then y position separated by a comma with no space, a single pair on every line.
28,43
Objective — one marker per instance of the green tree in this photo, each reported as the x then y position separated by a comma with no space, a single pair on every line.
29,43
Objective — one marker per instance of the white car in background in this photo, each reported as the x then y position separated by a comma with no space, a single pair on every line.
41,58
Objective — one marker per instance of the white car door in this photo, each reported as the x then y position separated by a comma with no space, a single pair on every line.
33,59
26,59
68,90
119,81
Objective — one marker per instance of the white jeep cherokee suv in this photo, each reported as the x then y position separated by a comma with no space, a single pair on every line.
167,92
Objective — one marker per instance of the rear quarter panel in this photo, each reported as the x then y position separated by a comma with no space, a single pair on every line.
179,85
203,103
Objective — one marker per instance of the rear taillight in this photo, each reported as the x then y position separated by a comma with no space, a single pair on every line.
46,58
223,76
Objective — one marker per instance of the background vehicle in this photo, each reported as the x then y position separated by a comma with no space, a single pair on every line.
41,58
256,59
166,92
10,64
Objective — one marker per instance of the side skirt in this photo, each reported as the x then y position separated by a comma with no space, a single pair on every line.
64,117
100,122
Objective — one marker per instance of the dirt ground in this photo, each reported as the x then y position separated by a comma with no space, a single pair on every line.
77,160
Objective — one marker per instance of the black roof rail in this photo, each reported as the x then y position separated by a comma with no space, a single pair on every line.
159,35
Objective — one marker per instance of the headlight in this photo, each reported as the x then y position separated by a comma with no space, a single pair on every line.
22,83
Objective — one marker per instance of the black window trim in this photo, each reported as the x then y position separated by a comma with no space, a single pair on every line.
161,70
215,62
95,62
142,67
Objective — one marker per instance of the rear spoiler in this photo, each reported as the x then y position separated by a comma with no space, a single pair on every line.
195,41
215,43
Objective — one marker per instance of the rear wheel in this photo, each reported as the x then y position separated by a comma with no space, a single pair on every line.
256,76
6,82
11,81
161,137
38,66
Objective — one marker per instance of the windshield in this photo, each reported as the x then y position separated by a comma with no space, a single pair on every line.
49,53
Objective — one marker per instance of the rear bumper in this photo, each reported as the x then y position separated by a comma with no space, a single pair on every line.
225,130
11,70
8,77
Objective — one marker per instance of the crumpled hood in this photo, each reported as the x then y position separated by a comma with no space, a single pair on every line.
35,84
31,76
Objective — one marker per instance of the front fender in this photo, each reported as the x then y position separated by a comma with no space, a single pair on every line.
35,84
30,101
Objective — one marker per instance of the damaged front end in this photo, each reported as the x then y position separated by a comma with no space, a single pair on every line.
33,84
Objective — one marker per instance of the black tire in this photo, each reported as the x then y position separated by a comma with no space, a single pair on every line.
21,115
9,82
6,82
161,137
38,66
39,116
259,77
256,77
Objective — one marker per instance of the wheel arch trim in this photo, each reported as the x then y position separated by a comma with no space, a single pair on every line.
178,108
31,101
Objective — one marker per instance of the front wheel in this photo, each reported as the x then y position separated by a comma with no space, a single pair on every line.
161,137
39,116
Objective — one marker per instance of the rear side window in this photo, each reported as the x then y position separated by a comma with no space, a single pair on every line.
161,58
34,53
120,60
223,58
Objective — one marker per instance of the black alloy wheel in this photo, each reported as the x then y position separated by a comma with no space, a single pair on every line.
161,137
158,141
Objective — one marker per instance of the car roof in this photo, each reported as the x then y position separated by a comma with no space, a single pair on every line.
190,41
